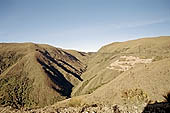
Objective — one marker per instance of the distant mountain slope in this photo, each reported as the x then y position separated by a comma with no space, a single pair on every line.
36,74
143,83
123,65
82,56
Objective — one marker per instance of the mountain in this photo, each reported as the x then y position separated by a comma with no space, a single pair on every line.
37,74
120,77
126,73
101,69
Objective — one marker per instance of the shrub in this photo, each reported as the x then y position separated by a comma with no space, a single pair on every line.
15,91
8,59
74,102
134,96
167,97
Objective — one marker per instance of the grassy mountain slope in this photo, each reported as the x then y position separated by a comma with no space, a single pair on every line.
133,73
28,71
98,74
142,83
105,75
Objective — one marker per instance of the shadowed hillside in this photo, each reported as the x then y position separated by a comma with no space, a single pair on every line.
112,60
36,75
159,107
130,73
129,76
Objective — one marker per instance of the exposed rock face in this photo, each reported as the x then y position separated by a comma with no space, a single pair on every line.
151,108
85,109
127,62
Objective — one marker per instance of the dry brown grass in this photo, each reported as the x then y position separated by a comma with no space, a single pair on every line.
152,78
56,71
75,102
51,69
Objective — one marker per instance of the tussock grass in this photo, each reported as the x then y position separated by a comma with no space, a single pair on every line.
15,91
75,102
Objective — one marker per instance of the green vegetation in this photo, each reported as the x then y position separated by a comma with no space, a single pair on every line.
8,59
134,96
15,91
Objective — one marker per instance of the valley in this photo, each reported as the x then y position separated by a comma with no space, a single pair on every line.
120,77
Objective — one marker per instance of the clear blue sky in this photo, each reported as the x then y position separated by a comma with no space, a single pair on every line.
83,25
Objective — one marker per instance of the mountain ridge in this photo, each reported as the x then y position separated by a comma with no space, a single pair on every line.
130,73
50,68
